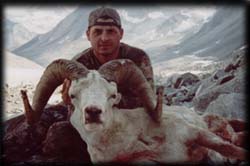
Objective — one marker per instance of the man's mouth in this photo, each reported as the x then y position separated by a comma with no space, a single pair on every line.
105,45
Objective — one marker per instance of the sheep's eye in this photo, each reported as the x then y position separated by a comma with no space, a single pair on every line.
113,96
72,96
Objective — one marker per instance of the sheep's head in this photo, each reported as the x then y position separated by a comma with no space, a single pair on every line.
93,98
93,92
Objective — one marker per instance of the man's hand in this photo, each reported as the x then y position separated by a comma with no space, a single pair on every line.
65,91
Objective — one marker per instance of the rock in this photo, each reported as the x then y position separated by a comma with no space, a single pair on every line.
180,89
218,74
238,60
186,79
224,81
16,102
232,106
22,141
204,98
171,81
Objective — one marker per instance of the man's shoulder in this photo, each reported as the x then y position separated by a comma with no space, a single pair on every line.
87,59
135,54
84,54
129,50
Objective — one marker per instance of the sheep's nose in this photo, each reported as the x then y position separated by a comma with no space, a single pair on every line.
93,111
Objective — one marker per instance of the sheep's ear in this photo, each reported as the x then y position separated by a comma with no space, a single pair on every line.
118,98
65,92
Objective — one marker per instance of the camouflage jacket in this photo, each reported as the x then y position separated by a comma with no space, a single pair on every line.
138,56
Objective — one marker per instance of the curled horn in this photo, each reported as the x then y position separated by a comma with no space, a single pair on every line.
126,74
52,77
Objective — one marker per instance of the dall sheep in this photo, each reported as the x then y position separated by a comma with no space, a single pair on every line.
128,135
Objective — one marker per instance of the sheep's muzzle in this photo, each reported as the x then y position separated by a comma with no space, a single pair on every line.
92,115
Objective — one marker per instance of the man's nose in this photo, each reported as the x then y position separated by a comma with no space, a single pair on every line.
104,36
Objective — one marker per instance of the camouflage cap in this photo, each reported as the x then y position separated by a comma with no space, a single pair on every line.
104,16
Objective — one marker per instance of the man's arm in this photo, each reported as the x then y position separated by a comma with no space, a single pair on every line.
147,70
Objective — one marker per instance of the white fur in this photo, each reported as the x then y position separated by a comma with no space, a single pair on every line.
123,132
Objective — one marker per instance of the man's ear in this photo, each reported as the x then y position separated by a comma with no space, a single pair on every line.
121,32
88,34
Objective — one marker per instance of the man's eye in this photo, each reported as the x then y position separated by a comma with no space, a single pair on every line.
98,32
110,31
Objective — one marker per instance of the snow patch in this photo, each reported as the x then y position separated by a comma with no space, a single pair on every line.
200,51
217,42
125,15
155,15
187,63
176,52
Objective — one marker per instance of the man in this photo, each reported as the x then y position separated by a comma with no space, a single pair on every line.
104,33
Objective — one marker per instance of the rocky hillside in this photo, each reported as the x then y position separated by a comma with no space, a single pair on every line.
221,93
217,38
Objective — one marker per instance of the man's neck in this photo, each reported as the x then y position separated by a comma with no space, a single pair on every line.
106,58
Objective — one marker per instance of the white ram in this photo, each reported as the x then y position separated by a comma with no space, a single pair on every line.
129,135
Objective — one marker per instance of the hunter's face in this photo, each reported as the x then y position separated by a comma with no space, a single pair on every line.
105,40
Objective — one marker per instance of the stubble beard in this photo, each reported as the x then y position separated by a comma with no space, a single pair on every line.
109,53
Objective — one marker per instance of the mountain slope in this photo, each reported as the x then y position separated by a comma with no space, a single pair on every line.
217,38
15,35
70,29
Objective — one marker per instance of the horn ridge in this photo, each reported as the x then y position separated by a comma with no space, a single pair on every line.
125,72
52,77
